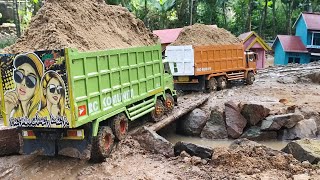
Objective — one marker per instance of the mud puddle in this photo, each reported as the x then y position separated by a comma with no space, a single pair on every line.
173,138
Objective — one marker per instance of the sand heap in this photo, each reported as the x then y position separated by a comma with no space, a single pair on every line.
82,24
200,34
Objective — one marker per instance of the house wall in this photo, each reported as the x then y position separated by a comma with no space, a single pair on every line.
249,41
279,54
261,57
304,57
301,30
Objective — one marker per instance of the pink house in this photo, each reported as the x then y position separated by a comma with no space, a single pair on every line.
255,43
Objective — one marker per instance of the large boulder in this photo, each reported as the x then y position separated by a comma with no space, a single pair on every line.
193,150
254,133
153,142
304,150
193,123
235,122
276,122
254,113
304,129
215,127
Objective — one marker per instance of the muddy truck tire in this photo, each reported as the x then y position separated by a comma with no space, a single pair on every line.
102,144
119,126
9,141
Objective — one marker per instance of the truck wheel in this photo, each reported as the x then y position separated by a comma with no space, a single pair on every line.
222,82
119,126
250,78
212,84
158,111
169,103
102,144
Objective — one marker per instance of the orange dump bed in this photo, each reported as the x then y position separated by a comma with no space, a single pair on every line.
218,58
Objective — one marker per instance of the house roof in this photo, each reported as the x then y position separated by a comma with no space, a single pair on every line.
291,43
245,36
168,36
312,20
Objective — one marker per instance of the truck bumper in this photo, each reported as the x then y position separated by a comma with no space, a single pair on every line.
50,142
191,86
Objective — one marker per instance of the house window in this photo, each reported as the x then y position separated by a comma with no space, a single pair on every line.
294,60
316,39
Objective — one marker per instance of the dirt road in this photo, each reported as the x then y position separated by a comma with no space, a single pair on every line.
277,89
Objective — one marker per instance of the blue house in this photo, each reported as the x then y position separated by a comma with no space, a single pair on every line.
308,28
304,47
289,49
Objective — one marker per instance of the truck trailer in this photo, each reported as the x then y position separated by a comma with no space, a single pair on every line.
208,68
79,103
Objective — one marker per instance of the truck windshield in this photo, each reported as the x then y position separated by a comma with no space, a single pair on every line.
166,67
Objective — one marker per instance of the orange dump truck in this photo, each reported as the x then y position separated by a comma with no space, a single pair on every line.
208,68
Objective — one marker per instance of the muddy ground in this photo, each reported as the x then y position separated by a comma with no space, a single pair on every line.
276,88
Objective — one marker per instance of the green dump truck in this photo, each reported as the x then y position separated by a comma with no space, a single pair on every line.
78,103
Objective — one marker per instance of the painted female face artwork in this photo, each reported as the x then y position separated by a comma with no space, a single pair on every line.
26,80
54,91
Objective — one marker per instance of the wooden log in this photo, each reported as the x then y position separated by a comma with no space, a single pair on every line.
9,140
183,109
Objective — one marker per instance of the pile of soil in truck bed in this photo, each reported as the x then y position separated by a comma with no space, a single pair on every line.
200,34
82,24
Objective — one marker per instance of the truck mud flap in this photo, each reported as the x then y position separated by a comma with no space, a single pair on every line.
39,146
75,148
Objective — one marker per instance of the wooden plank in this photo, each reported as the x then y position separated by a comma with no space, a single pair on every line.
183,108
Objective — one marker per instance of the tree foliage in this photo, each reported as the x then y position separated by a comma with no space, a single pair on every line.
267,17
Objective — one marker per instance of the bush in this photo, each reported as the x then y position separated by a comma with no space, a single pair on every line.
7,41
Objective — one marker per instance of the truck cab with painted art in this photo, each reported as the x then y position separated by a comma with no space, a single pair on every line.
79,103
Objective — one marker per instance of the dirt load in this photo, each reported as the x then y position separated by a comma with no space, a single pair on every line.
200,34
82,24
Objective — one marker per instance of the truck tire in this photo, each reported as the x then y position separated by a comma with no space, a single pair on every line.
222,82
119,126
102,144
169,103
250,78
158,111
212,84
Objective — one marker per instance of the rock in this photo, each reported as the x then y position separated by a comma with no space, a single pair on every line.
301,177
187,159
193,150
184,154
204,162
215,127
9,141
235,122
304,150
193,123
304,129
254,113
254,133
243,142
276,122
153,142
195,160
287,80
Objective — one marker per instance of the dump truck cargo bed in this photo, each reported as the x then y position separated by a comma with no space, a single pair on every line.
202,60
